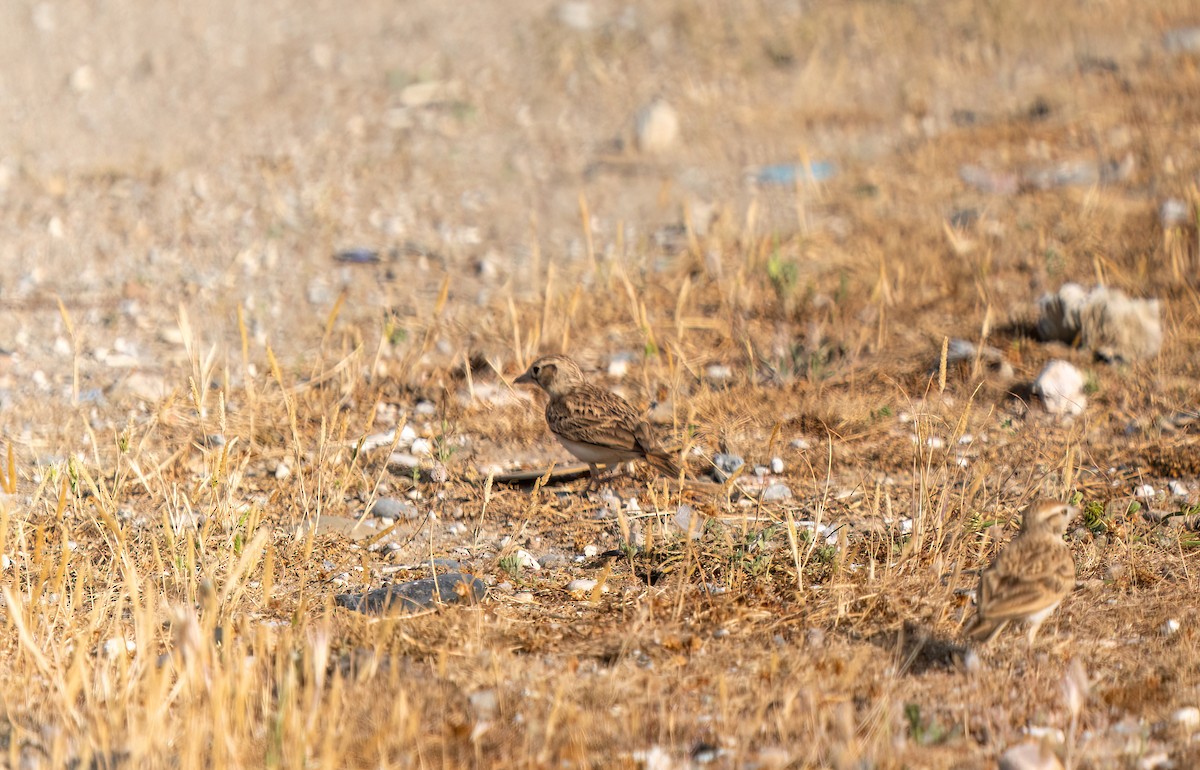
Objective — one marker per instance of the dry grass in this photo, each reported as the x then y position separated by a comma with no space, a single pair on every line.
174,531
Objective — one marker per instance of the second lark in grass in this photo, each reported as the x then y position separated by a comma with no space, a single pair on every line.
1030,577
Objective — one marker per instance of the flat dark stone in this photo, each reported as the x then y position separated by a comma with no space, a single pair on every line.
450,588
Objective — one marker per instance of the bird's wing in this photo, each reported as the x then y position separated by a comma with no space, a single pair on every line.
590,415
1028,576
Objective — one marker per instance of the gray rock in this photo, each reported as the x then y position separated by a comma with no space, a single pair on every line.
443,565
450,588
391,509
725,465
554,560
776,492
1182,40
1104,320
403,461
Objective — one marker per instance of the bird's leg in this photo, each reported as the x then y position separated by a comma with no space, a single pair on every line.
1033,629
593,478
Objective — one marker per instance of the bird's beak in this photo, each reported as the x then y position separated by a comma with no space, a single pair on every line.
525,378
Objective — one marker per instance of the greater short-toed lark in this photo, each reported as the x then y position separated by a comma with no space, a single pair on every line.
597,426
1030,576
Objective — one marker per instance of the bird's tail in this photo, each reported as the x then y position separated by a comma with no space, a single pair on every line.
664,463
984,630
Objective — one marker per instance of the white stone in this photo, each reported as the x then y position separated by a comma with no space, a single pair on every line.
282,471
576,15
1145,491
718,372
656,127
655,758
83,79
582,588
1060,386
322,56
1029,756
422,447
777,465
1170,627
1177,488
1187,717
525,559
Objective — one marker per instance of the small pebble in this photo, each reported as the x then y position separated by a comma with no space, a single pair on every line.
1187,717
591,550
777,465
718,373
407,435
282,471
776,492
1029,756
422,447
582,588
484,703
1177,488
83,79
404,460
1145,491
526,560
725,465
1060,386
684,516
1182,39
1173,212
618,367
656,127
357,256
390,508
426,408
576,15
1170,627
801,444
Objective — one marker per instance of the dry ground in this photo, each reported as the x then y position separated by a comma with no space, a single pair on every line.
190,373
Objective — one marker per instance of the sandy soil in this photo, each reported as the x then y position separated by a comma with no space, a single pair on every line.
190,371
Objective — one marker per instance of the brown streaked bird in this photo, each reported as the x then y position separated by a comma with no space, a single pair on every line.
1030,577
596,425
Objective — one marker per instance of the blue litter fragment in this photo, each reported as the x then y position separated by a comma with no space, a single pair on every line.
357,256
789,173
